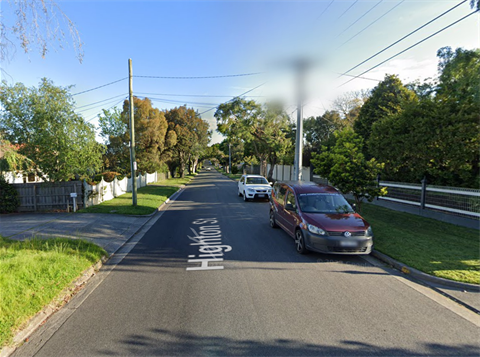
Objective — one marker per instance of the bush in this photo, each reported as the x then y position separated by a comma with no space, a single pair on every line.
9,200
109,176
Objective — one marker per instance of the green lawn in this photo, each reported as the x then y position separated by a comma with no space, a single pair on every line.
149,198
235,177
434,247
34,272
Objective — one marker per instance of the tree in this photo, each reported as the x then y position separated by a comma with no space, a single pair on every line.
152,137
318,130
347,168
11,159
43,123
349,105
37,24
386,98
192,137
436,136
264,128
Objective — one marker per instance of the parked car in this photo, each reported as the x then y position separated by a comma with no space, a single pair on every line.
319,219
254,186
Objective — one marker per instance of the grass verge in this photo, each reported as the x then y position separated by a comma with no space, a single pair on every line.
436,248
149,198
235,177
34,272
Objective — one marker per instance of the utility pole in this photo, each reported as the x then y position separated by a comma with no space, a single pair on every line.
229,158
300,66
133,163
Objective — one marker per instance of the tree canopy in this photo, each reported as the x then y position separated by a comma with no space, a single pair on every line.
42,122
347,168
263,128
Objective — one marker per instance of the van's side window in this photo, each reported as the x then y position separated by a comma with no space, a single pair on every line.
291,199
280,196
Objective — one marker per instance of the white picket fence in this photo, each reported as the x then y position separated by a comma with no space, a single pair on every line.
104,191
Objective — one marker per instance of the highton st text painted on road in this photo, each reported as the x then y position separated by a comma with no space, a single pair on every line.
207,236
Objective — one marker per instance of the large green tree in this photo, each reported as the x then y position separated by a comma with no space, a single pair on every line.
347,168
152,137
387,98
438,135
263,128
42,121
192,137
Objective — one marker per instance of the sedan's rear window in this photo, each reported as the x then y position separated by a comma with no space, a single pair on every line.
323,203
256,181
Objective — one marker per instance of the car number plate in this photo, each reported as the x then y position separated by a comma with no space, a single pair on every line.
261,195
348,243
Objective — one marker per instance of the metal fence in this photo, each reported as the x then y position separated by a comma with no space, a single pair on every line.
464,202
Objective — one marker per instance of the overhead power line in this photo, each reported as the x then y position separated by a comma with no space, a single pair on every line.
101,101
104,85
343,13
404,37
370,24
359,18
238,96
197,95
203,77
117,103
408,48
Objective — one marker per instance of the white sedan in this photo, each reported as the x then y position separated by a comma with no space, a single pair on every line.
254,186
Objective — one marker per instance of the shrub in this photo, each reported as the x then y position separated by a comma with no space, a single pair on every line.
109,176
9,200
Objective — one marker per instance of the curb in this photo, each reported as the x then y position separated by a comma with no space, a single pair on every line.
421,275
70,291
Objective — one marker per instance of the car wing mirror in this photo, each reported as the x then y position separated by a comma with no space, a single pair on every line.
289,207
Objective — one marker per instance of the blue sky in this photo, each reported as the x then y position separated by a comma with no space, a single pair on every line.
211,38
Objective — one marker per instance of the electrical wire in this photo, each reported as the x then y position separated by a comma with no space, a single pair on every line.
85,110
338,18
361,17
101,101
404,37
408,48
104,85
370,24
198,95
96,115
238,96
203,77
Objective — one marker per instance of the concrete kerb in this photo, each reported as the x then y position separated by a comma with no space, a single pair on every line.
421,275
67,294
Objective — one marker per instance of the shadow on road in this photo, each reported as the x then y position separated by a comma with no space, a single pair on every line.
161,342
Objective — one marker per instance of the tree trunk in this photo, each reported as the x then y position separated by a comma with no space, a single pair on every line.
273,162
195,163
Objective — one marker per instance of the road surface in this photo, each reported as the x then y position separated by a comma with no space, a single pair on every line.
211,278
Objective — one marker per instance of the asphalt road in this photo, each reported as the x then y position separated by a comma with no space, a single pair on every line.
262,299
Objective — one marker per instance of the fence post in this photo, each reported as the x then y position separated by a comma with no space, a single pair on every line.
424,193
378,184
34,197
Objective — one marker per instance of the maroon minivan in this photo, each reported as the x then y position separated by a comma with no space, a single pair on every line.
319,218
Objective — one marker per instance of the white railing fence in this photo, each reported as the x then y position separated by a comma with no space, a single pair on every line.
454,200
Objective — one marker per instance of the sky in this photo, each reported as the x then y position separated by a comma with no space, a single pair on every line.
257,40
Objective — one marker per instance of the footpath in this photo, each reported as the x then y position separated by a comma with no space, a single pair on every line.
106,230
